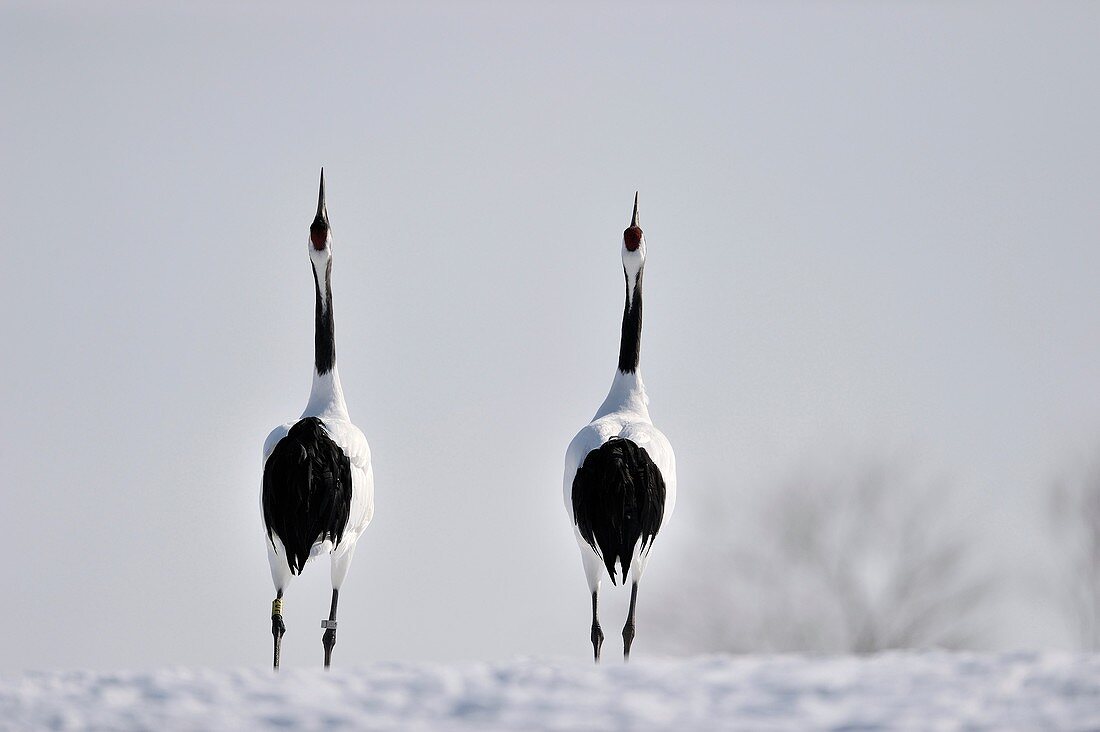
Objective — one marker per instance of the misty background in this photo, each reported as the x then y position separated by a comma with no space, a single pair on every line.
871,298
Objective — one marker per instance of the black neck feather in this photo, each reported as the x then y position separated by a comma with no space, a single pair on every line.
325,335
631,344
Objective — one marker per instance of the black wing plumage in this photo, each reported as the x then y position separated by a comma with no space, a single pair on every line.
307,491
618,498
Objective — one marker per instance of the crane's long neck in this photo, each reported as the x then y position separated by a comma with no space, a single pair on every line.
630,344
627,390
326,398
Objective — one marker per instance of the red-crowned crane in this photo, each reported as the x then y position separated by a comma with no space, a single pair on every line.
620,471
318,485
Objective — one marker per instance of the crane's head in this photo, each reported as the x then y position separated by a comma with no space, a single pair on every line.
633,244
320,235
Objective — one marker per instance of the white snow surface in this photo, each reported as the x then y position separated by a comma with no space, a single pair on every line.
906,690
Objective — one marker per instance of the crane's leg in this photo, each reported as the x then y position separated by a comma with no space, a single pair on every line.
593,570
280,578
597,632
341,562
328,640
277,627
628,629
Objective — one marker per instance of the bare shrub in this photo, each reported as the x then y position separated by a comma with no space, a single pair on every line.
864,561
1075,514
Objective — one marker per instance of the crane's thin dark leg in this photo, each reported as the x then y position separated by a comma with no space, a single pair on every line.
277,627
628,629
328,640
597,633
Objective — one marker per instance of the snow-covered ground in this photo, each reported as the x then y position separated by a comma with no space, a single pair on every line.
913,691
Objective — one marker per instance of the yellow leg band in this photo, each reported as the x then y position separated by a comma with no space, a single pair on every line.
277,607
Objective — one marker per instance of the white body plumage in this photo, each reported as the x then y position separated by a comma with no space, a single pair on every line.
353,443
625,414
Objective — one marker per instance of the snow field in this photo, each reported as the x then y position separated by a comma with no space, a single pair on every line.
896,691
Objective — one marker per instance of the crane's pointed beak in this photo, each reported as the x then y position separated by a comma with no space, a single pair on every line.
318,230
634,218
322,212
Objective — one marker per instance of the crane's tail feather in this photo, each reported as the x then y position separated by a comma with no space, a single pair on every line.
618,502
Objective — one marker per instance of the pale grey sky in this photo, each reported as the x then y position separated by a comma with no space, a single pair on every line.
871,228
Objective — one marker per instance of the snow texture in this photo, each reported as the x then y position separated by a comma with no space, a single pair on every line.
909,691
